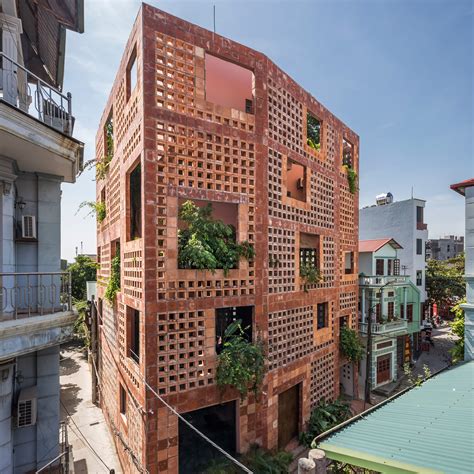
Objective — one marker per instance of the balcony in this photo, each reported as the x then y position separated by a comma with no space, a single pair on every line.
392,328
35,311
36,123
383,280
421,226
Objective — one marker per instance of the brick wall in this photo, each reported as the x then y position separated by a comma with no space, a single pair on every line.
189,148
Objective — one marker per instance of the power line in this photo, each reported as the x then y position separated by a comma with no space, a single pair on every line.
174,411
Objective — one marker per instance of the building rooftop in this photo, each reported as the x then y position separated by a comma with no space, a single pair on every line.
427,429
376,244
460,187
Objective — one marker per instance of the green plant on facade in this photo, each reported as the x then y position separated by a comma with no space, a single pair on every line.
241,364
310,275
324,416
352,178
95,207
256,459
113,285
207,243
102,167
313,132
351,345
457,328
419,378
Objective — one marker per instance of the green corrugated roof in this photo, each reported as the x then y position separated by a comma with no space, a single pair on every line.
428,429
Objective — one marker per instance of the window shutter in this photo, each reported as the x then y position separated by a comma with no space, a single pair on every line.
28,227
26,409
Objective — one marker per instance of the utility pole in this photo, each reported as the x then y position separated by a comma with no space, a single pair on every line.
368,362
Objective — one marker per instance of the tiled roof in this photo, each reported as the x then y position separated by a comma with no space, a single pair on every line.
428,429
460,187
374,245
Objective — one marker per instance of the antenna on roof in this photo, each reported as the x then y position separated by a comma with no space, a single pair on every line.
412,192
214,8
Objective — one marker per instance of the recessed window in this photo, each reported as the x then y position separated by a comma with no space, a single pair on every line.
379,266
132,73
313,131
390,309
409,312
419,278
295,180
396,266
419,214
133,334
419,246
226,316
309,250
109,137
123,401
348,263
347,153
322,316
229,84
135,202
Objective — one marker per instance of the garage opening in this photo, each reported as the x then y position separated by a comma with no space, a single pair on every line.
218,423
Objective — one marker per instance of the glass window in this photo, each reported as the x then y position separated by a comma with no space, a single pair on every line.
322,315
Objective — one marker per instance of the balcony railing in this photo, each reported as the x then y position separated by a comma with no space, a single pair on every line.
24,295
388,327
30,94
383,280
421,226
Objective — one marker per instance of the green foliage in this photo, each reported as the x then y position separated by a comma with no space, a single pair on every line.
207,243
114,281
241,364
313,132
420,378
310,275
102,167
257,460
80,327
109,138
352,178
457,327
95,207
445,280
324,417
82,270
351,344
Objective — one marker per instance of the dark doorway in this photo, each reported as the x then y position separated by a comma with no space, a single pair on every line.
288,415
219,424
384,364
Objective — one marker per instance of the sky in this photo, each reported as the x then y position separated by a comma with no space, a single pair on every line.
397,72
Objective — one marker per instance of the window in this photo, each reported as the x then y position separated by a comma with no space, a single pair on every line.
123,401
419,215
389,267
349,263
228,84
226,316
295,180
390,309
410,313
135,202
378,312
396,266
379,266
419,246
419,277
132,73
322,316
347,153
133,334
313,131
109,137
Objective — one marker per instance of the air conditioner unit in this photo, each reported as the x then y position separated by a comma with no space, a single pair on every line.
26,408
300,183
28,227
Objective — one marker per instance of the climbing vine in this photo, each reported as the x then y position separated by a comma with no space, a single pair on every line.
352,178
351,345
206,243
114,281
241,364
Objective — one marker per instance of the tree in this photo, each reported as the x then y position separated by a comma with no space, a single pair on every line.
457,327
82,270
445,281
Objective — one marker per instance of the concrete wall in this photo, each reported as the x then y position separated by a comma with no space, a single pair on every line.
6,396
397,220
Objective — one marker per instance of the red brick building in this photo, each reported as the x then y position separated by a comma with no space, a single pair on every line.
195,116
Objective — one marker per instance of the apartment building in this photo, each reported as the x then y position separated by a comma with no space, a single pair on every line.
392,302
444,248
37,154
195,117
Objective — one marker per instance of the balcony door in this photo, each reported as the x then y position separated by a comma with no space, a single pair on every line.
384,365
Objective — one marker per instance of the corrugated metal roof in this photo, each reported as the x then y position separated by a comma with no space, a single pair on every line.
430,427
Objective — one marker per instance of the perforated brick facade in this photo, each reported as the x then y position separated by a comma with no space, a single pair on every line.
189,148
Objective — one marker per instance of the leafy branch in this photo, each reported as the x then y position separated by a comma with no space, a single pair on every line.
310,275
352,178
96,208
351,345
113,285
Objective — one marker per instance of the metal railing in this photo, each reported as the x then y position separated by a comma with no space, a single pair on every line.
34,294
30,94
385,327
383,280
61,463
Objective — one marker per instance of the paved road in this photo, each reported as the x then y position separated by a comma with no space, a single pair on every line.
87,430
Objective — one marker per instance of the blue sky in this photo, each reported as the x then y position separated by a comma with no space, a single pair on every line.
398,72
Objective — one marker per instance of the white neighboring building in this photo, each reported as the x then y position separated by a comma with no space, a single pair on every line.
403,221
